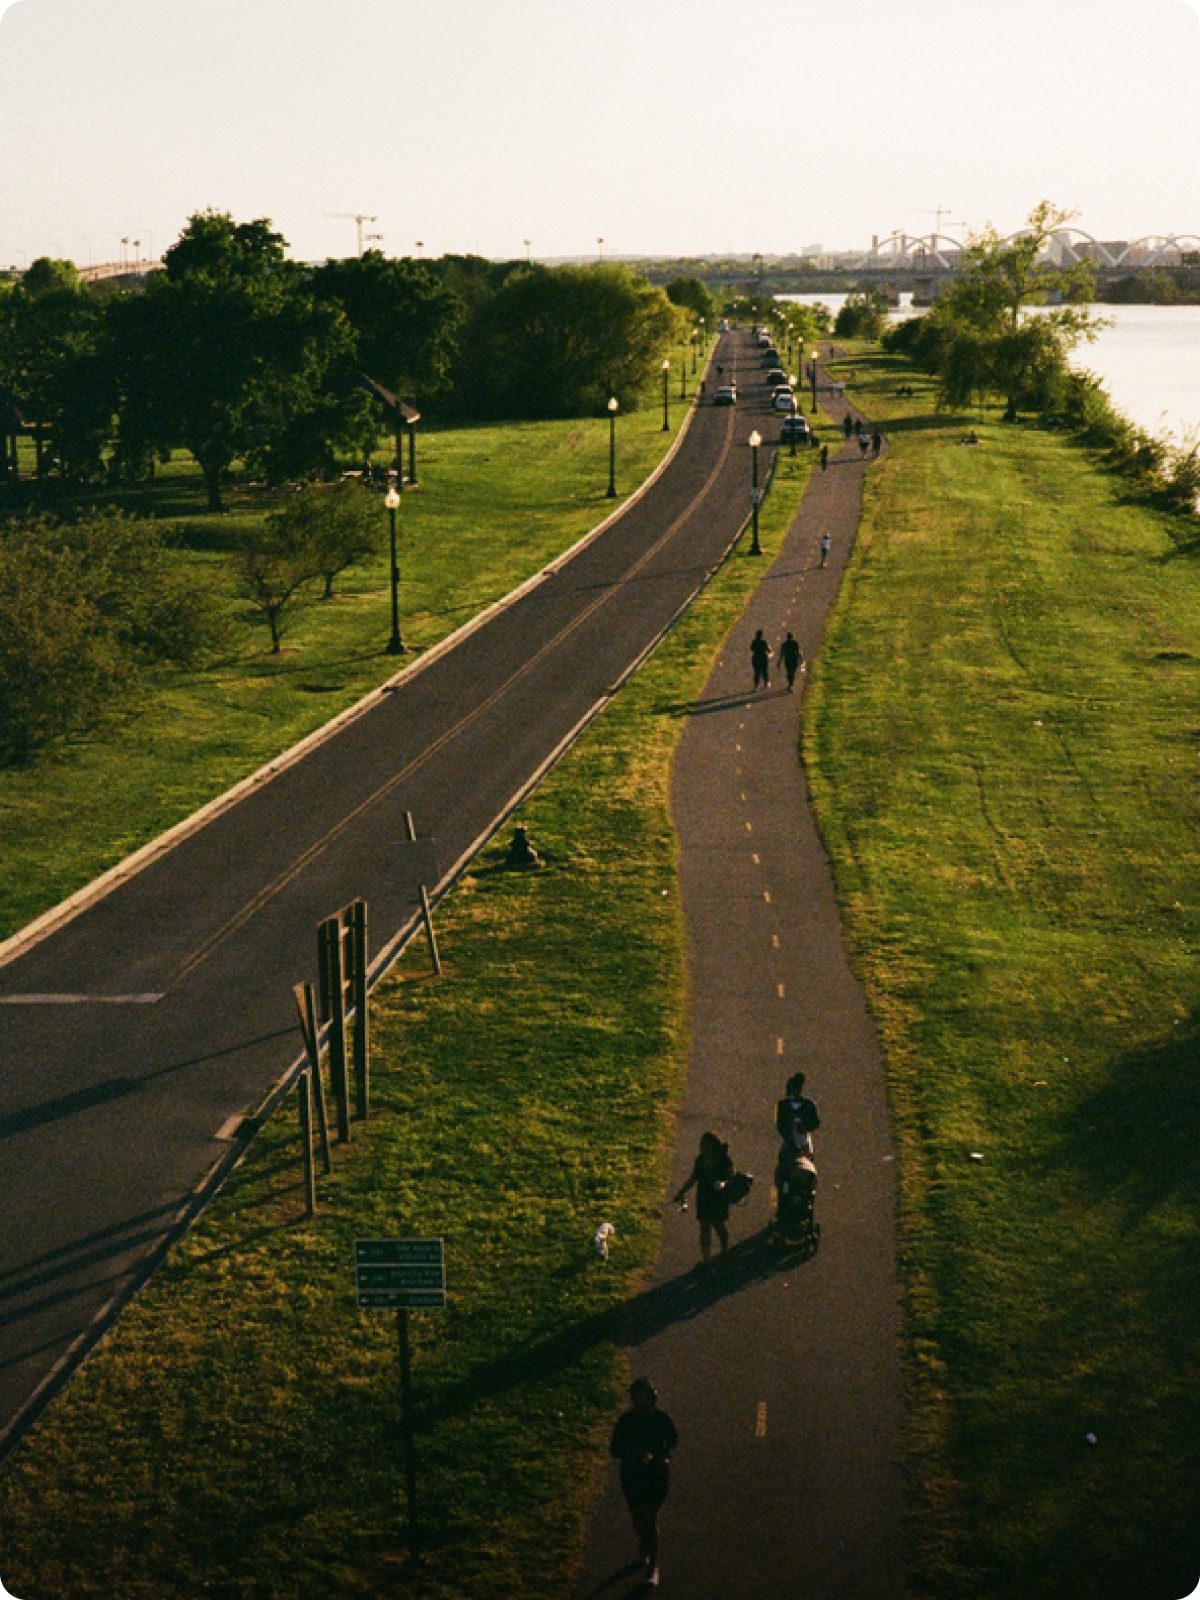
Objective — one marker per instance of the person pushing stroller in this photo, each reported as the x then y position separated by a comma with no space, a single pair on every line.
796,1120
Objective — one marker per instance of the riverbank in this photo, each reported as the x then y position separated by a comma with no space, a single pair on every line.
1001,743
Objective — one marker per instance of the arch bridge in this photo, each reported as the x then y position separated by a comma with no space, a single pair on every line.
933,254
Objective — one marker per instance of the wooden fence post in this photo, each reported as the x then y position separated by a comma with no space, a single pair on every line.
307,1006
304,1094
362,1036
333,1001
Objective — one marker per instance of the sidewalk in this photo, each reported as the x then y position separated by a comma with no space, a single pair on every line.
784,1381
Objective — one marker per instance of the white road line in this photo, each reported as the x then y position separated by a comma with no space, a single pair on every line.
79,999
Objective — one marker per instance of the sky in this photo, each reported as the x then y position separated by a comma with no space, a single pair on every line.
662,127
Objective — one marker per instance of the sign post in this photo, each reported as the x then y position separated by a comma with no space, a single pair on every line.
404,1274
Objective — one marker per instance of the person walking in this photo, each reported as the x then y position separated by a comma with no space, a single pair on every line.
642,1442
760,660
876,443
824,548
847,425
711,1171
824,458
792,659
864,442
796,1118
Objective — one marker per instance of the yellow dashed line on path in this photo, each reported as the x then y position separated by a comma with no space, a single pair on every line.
767,896
755,859
781,991
760,1421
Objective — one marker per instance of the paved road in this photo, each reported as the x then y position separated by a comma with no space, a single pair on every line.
782,1374
131,1035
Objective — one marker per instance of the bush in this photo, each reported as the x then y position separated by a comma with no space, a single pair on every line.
85,607
863,316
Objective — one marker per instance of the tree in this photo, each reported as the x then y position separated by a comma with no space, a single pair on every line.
405,320
226,353
337,524
273,566
863,315
691,295
559,341
979,337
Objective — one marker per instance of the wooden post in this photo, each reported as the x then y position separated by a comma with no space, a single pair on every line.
427,913
304,1094
362,1038
410,1448
333,1000
306,1004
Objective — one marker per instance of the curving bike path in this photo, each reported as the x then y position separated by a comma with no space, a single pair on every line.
782,1373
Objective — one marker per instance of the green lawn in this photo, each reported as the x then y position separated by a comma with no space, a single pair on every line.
236,1436
493,505
1002,738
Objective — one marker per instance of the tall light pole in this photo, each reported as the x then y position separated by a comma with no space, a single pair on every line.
395,645
813,371
666,427
683,373
612,448
754,441
795,414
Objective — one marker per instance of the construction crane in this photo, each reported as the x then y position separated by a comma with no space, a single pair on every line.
937,212
357,218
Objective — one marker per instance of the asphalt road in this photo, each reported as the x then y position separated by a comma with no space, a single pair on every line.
138,1030
780,1369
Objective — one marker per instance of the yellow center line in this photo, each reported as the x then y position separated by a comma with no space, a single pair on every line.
270,890
760,1421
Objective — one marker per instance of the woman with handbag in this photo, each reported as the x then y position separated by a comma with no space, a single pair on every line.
711,1172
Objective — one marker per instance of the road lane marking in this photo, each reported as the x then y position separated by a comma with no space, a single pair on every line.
270,890
79,999
781,991
755,859
779,1047
767,896
775,940
760,1421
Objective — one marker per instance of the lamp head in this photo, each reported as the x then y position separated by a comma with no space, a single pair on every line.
755,440
612,404
392,500
666,365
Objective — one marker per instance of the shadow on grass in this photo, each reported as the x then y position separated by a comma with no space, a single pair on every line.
1139,1135
632,1323
725,702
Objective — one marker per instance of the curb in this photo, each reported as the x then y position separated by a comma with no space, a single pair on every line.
129,866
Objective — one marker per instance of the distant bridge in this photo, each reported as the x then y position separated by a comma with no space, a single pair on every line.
932,254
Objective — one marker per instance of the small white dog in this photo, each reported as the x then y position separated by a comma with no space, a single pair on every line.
602,1238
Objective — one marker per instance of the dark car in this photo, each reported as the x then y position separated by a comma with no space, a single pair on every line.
770,358
726,395
796,428
776,376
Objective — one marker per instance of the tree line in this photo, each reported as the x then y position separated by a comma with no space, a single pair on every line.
238,354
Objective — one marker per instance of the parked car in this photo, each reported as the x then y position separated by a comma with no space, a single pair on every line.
726,395
784,400
770,357
796,427
777,375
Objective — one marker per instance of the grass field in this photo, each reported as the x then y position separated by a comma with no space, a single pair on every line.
1003,744
494,504
237,1435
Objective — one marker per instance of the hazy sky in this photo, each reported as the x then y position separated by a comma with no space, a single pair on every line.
677,126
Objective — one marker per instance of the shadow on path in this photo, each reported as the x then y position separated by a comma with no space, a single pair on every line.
634,1322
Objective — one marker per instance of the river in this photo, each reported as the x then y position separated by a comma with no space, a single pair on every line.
1148,359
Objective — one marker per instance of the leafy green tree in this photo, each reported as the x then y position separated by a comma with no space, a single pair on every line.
979,337
51,367
85,609
405,319
337,524
227,353
273,565
863,316
558,341
692,295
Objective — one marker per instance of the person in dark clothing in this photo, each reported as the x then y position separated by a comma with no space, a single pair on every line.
642,1442
876,442
796,1118
760,660
847,424
791,656
712,1170
825,542
824,458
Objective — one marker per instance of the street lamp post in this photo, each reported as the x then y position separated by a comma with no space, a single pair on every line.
795,414
612,448
754,441
813,370
666,427
395,645
683,373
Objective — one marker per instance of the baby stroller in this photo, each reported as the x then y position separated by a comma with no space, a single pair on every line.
796,1192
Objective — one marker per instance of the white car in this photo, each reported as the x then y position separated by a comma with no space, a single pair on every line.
785,400
726,395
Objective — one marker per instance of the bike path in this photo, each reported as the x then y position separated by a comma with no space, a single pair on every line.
782,1373
134,1035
